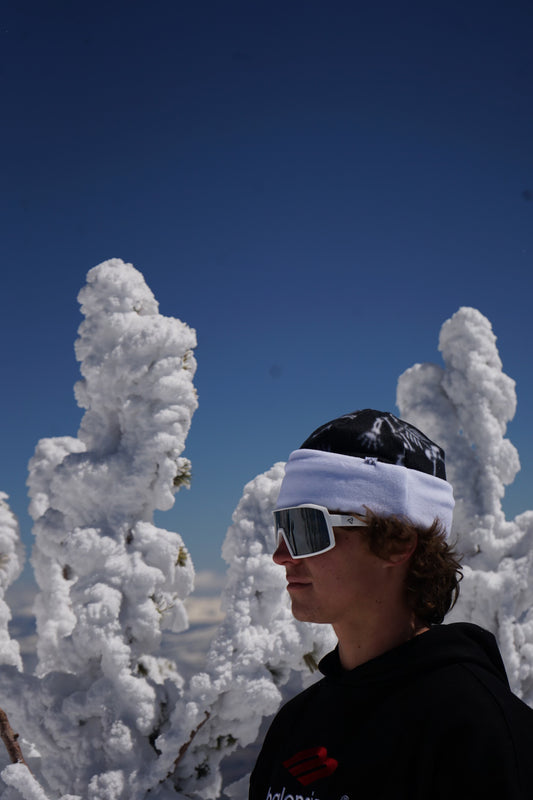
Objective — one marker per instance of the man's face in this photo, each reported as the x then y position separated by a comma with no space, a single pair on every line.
347,584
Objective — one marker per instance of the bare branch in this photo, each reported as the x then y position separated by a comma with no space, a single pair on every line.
185,746
9,737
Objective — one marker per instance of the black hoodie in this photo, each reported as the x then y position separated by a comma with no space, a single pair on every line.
431,719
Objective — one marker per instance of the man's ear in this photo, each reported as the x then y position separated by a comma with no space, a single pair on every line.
402,551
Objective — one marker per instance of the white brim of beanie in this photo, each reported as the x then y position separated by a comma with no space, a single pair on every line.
349,484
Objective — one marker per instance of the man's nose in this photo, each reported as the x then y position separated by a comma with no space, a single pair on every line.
281,554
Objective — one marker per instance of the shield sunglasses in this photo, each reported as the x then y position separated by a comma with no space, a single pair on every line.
308,529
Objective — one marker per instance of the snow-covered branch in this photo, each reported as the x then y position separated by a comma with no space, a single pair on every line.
11,563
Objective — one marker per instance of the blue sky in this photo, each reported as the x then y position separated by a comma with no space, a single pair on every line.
314,186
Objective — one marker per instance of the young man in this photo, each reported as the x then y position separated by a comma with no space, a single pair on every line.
408,709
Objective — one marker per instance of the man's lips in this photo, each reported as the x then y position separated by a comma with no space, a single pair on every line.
297,583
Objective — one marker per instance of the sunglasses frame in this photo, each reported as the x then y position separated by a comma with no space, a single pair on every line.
331,520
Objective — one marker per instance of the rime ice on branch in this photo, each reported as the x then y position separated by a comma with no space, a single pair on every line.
466,407
109,579
11,563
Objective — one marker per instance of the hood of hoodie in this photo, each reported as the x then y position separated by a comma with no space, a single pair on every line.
440,646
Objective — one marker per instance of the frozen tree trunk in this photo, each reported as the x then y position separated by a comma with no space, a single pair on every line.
109,580
465,407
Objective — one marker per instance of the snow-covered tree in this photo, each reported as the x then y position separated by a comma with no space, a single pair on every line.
465,406
11,563
109,580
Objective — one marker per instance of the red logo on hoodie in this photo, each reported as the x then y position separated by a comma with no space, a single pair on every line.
310,765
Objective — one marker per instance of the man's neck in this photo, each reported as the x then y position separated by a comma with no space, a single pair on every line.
359,645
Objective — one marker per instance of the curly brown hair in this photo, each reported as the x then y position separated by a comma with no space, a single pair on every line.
435,571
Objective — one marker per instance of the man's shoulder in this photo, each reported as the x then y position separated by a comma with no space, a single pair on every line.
472,694
302,698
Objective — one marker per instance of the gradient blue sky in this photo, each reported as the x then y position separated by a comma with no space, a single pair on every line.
314,186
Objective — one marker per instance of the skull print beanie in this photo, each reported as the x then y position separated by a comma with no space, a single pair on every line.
370,459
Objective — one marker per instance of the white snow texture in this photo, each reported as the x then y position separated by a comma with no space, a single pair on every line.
110,580
465,407
11,563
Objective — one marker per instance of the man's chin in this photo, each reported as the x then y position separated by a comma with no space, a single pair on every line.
303,614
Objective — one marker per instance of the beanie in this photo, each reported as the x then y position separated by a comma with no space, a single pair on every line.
370,459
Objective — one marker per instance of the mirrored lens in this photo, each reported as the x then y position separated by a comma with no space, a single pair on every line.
306,530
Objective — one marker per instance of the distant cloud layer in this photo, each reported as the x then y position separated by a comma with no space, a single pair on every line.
189,648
